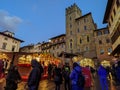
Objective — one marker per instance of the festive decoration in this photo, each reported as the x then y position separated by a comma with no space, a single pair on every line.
87,62
105,63
43,58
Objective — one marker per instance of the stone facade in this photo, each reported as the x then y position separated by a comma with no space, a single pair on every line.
8,42
79,32
57,45
29,48
112,18
103,44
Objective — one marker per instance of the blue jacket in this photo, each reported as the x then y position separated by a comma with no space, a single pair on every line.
74,75
102,72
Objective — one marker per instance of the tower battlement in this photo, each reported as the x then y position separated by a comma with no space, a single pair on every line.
72,8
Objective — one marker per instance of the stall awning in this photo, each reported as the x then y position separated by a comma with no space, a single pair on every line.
67,55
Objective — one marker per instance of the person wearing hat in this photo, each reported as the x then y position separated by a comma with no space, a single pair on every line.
34,76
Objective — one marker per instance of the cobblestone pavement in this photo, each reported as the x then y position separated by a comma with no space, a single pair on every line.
49,85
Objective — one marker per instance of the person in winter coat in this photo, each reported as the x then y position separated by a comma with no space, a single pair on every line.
50,68
74,76
12,79
1,69
118,72
103,74
66,73
88,77
58,78
34,76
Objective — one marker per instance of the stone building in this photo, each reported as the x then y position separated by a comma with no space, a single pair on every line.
79,32
103,44
57,45
8,43
28,48
112,18
45,47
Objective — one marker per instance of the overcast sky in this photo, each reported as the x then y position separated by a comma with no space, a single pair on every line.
35,21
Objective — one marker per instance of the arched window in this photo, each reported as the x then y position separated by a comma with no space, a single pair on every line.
70,32
78,30
88,39
70,43
80,40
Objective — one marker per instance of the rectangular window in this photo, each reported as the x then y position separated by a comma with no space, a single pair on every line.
78,30
99,33
6,38
4,45
70,45
109,50
101,51
70,32
85,27
84,20
13,48
70,25
106,32
78,50
107,40
86,49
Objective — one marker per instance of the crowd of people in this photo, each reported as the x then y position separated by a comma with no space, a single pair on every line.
73,78
4,66
70,76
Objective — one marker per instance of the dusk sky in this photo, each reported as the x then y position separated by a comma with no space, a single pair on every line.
35,21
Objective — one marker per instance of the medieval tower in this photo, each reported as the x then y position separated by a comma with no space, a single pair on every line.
80,32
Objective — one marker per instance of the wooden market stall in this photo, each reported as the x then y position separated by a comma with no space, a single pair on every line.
23,61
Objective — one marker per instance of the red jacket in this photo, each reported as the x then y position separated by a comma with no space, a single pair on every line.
88,78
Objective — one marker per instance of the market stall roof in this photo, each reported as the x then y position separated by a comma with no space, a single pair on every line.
20,53
67,55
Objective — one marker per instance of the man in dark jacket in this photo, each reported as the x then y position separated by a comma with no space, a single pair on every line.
34,76
66,73
13,78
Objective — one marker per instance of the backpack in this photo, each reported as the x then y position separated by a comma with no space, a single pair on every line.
81,79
